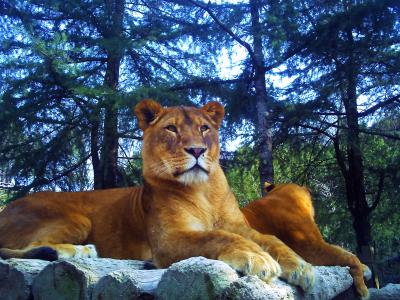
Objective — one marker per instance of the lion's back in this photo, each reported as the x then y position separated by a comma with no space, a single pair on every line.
21,219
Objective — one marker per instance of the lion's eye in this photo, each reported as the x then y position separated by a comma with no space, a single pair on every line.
171,128
204,128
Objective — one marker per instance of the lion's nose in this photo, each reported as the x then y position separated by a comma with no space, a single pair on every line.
196,152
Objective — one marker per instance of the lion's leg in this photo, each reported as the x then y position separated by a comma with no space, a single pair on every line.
295,270
238,252
321,253
57,239
307,241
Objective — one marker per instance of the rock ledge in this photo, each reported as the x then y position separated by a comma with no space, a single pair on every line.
194,278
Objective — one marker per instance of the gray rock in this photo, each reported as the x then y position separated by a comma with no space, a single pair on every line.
75,278
195,278
16,277
253,288
390,291
127,284
329,282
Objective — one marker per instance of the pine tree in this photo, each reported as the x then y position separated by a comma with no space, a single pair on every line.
344,77
73,70
266,30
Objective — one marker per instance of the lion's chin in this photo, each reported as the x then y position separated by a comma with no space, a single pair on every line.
194,176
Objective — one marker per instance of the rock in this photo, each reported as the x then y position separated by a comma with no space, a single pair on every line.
75,278
16,277
390,291
329,282
253,288
127,284
195,278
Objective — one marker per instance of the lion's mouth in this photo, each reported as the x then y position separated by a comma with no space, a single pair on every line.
194,168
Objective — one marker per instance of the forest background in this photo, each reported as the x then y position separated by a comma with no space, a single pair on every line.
311,91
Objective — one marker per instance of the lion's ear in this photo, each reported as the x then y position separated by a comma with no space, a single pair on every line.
216,111
147,112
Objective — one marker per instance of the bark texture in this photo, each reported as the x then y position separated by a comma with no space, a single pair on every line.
264,124
106,168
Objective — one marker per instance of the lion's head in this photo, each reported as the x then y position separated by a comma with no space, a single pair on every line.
179,143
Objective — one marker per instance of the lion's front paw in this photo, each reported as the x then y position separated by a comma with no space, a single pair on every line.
250,262
76,251
297,271
86,251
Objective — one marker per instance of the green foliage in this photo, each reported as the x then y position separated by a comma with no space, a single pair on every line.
3,198
312,163
68,69
243,176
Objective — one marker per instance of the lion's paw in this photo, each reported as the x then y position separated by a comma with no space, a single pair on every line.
298,272
86,251
77,251
260,264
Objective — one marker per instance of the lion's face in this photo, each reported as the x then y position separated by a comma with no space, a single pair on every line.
179,143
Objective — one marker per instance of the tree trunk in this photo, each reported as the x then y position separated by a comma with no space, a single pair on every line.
94,150
109,152
264,124
355,180
355,187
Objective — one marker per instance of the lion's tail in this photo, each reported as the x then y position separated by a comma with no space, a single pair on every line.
45,253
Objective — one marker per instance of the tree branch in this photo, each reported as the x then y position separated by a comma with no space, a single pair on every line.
206,83
226,29
319,130
43,181
378,106
379,193
339,157
284,58
366,131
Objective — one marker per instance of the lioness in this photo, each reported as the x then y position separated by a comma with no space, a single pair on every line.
184,209
287,212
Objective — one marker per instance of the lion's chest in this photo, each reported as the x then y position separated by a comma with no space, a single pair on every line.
204,215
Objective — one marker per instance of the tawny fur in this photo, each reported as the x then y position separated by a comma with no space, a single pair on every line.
287,212
111,219
183,209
